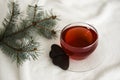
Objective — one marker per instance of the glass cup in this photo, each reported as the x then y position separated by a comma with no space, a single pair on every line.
79,40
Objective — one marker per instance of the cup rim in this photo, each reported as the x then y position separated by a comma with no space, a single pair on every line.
85,26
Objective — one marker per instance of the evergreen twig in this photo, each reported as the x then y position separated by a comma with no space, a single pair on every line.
10,20
11,46
33,24
19,52
35,10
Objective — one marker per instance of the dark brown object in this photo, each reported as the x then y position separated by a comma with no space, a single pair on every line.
59,57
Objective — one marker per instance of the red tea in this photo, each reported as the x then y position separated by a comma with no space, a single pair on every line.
79,41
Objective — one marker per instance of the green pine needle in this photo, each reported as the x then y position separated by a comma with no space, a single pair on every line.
16,40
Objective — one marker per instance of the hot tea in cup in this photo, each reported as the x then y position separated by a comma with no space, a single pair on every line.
79,40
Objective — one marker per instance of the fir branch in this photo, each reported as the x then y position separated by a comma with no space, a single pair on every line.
11,46
12,14
21,54
35,10
10,20
19,31
16,49
33,24
52,31
23,50
51,17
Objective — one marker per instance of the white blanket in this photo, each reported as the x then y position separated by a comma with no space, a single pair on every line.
103,14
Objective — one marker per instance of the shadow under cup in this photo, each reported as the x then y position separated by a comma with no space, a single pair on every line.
79,40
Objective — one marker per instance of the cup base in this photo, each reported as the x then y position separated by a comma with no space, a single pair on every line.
90,62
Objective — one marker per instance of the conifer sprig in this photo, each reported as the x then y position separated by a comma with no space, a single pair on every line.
16,40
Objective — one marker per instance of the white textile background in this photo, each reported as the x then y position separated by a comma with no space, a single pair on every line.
104,15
